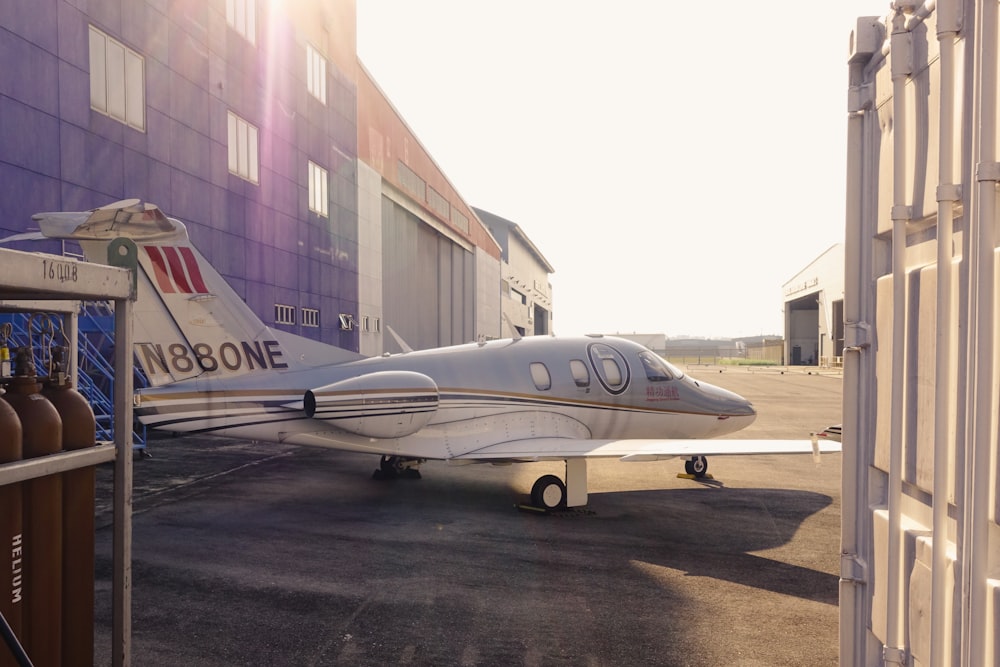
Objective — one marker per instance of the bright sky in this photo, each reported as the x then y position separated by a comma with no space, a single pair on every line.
676,162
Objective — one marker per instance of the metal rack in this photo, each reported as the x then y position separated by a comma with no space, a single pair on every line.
31,281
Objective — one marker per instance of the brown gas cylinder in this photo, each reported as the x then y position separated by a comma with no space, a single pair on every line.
79,430
11,547
41,428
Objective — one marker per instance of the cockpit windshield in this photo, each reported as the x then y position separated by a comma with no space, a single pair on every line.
657,368
678,373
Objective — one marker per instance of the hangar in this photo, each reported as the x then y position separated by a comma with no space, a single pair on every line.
525,291
814,312
255,124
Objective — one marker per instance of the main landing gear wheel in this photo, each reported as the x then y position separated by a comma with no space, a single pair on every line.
391,467
549,493
697,466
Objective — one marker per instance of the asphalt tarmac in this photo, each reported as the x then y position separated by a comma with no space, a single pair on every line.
260,554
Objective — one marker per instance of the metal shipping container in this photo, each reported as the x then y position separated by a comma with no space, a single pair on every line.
920,575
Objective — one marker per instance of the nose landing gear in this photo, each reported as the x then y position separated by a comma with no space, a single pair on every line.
697,467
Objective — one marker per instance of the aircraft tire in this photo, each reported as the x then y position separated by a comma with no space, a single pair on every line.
549,493
697,466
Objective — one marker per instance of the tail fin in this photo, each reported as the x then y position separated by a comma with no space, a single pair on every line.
188,321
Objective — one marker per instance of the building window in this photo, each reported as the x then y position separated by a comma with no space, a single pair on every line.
318,190
459,220
243,157
438,203
284,314
411,182
241,15
310,317
316,73
117,80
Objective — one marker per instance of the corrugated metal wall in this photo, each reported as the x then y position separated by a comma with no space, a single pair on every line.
428,283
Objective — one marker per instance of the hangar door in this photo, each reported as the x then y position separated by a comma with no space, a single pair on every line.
428,282
802,325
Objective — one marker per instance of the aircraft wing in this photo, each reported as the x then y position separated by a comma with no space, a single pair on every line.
541,449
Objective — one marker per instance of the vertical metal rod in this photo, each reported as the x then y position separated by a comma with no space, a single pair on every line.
901,51
122,578
854,466
944,370
981,353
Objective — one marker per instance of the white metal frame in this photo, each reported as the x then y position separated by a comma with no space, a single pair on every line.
25,278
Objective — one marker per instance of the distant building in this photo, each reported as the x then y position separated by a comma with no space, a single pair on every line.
814,311
655,342
703,350
525,291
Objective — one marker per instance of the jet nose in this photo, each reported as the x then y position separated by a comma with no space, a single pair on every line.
728,403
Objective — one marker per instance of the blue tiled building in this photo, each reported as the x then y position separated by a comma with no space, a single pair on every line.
239,118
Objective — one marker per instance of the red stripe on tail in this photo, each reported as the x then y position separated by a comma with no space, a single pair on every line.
194,271
177,269
159,269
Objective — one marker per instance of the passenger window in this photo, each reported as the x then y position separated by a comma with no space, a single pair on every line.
656,368
580,373
540,376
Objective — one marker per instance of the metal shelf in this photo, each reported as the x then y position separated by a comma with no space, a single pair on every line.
27,282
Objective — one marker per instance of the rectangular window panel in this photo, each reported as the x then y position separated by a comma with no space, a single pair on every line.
117,80
284,314
241,15
310,317
98,71
253,161
438,203
242,165
318,189
243,150
316,73
459,220
233,152
410,181
135,94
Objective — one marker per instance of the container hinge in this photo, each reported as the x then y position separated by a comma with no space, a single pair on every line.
853,569
894,656
856,336
988,171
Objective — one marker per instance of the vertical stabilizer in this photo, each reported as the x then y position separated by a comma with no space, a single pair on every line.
188,321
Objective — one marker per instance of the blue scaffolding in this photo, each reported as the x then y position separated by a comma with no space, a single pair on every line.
95,372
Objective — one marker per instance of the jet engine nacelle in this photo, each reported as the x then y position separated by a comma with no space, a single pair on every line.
387,404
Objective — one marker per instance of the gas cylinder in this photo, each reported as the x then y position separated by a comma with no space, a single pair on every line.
79,430
41,431
11,539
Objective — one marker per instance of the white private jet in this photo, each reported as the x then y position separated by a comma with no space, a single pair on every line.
216,368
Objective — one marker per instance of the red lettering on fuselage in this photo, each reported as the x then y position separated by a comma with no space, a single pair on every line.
662,393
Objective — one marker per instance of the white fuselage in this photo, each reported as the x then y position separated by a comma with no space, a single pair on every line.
507,390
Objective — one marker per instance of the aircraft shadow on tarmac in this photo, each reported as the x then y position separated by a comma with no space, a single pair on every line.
275,548
708,530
